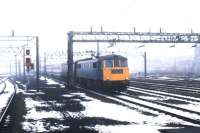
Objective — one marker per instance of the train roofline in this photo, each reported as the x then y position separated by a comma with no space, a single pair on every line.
105,57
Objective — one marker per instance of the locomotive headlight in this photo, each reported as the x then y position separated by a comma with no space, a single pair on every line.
107,78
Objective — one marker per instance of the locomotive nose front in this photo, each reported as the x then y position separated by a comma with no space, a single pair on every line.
116,72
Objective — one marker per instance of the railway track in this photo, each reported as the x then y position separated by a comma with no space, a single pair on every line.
163,104
160,93
178,87
180,90
8,96
131,101
177,82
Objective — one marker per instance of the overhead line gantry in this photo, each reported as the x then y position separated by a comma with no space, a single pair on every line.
34,39
124,37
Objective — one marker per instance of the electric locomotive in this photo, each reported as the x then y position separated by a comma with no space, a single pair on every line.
107,71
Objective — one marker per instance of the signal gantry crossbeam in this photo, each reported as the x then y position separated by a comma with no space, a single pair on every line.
138,37
124,37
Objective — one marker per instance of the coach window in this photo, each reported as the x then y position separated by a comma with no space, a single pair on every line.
109,63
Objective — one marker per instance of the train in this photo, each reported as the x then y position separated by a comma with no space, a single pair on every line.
108,71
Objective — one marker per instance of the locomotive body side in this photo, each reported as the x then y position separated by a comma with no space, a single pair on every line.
88,69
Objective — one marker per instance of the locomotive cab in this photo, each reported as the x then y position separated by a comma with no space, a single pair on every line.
115,71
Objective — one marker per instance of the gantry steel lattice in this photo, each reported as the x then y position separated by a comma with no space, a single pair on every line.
18,50
125,37
138,37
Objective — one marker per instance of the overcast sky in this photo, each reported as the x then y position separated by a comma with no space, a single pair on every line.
52,19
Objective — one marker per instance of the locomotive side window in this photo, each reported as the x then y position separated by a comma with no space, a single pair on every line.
124,63
94,65
109,63
79,66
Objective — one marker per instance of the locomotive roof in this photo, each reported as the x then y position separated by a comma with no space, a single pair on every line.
105,57
109,57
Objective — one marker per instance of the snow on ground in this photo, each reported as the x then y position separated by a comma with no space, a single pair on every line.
1,87
190,105
33,118
67,95
175,111
153,98
168,78
117,112
51,81
8,92
39,126
5,97
141,119
165,93
62,85
36,115
140,122
127,129
29,91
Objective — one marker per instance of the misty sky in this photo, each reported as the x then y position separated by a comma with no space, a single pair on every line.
52,19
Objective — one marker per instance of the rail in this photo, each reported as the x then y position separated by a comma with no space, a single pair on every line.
9,103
